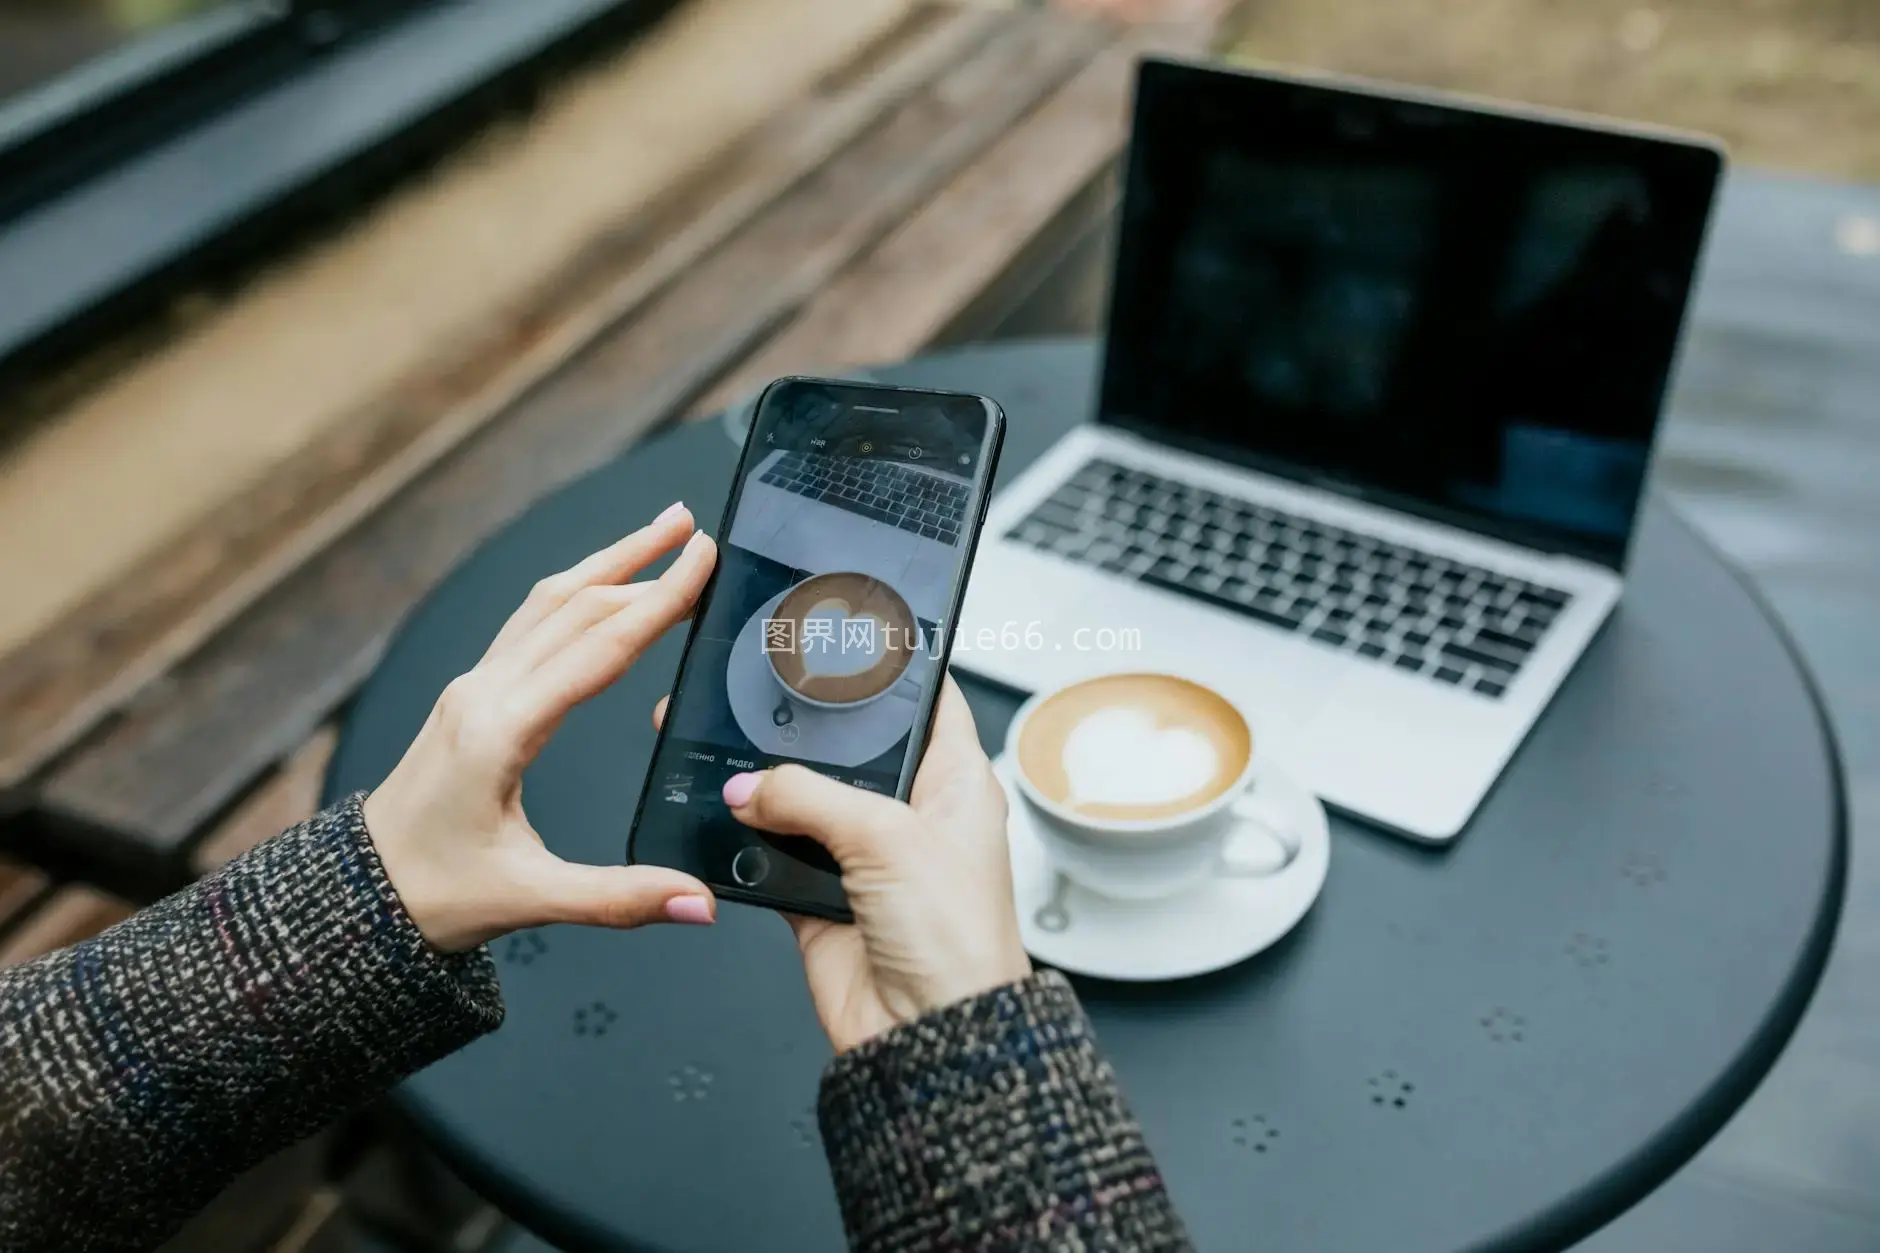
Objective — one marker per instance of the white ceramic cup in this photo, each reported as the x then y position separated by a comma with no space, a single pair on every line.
901,682
1240,833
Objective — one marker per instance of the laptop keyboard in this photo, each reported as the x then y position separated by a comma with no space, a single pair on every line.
925,504
1455,623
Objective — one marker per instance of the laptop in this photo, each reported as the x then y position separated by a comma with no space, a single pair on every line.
1383,375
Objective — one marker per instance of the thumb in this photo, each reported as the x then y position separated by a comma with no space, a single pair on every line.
624,897
794,800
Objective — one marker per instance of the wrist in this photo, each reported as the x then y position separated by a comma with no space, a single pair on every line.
424,891
966,981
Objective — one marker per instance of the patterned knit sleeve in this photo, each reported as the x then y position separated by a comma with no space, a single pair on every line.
143,1069
992,1124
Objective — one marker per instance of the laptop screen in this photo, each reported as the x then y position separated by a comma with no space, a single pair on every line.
1466,314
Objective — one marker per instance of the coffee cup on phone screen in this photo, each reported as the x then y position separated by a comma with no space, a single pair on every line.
852,640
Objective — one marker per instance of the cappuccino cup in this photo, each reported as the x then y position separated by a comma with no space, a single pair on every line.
852,638
1143,786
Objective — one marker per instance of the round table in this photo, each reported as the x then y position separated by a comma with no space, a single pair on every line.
1499,1046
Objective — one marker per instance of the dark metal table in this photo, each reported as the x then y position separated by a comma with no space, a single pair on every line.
1502,1046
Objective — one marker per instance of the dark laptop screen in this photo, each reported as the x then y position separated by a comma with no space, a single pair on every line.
1467,314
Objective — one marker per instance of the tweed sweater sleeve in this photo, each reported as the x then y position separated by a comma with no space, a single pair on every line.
992,1125
142,1069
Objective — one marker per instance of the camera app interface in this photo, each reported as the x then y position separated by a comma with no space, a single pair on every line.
820,641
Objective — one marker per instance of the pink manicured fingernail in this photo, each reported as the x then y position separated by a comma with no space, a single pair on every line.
670,512
739,789
694,911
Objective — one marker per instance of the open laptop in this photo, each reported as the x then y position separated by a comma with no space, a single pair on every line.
1382,380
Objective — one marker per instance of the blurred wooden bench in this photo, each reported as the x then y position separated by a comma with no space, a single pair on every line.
196,470
951,178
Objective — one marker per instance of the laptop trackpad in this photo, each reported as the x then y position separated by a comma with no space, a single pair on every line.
1279,681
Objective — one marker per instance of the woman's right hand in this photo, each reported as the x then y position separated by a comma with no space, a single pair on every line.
929,882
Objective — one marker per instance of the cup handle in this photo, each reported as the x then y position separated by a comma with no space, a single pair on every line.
1263,844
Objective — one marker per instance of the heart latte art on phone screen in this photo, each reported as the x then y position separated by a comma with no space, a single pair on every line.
853,641
852,638
1136,747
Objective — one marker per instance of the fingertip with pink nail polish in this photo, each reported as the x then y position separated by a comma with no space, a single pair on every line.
694,911
739,789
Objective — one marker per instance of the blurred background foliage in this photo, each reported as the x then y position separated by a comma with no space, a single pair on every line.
1793,84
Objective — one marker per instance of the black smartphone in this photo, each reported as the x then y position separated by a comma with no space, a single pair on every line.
822,637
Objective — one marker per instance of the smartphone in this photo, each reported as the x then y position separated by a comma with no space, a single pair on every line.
823,634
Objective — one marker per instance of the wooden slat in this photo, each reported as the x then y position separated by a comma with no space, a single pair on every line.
273,1206
71,915
1036,191
108,646
289,796
150,782
320,1227
21,886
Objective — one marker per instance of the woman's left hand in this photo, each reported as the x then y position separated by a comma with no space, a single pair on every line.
448,822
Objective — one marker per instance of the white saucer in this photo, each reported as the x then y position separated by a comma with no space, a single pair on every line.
844,738
1224,921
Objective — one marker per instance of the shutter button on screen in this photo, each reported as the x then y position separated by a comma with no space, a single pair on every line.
750,866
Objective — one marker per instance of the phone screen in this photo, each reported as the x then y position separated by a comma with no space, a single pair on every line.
822,637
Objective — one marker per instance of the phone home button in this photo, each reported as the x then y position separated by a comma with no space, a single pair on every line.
750,867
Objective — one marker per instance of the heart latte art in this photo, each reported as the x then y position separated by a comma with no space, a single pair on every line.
851,639
1134,747
1121,756
838,641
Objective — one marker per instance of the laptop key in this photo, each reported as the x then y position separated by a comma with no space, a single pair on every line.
1167,568
1490,687
1272,617
1512,642
1487,658
1553,598
1449,674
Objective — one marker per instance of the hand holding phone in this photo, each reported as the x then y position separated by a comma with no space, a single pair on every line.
929,881
823,635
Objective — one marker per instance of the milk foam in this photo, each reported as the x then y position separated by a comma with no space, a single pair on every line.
1120,756
829,652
